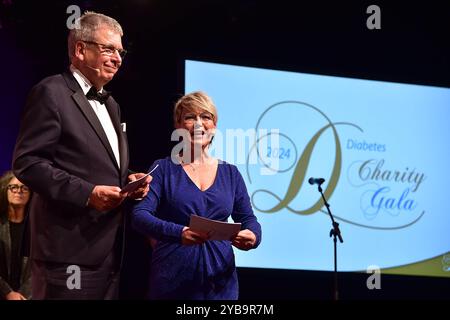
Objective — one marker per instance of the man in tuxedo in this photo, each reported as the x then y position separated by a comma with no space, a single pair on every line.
72,152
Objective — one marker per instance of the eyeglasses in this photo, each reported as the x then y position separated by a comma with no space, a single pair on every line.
15,188
192,117
108,50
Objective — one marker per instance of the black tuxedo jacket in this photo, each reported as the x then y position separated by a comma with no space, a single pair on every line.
61,153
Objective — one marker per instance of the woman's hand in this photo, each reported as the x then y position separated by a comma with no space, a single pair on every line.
244,240
190,237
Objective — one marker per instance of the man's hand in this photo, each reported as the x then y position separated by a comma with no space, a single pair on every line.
143,189
13,295
105,198
244,240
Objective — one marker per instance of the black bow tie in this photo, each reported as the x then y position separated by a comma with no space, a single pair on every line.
93,94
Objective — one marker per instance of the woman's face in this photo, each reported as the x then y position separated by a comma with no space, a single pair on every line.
18,193
199,124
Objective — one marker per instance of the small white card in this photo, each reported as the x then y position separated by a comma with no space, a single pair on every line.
217,230
136,184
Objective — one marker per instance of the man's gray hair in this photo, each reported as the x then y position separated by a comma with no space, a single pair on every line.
86,25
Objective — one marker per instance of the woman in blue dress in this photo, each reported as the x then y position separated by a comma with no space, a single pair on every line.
185,264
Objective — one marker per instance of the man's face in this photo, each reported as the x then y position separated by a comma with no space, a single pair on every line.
100,58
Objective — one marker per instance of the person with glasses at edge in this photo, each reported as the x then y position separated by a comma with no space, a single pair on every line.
73,153
186,264
15,272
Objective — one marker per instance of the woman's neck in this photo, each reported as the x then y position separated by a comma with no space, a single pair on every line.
197,156
16,213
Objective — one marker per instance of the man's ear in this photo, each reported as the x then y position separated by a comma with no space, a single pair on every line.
80,50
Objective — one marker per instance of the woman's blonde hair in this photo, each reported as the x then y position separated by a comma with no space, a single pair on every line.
194,101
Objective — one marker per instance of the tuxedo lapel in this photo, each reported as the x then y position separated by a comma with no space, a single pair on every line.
112,108
82,103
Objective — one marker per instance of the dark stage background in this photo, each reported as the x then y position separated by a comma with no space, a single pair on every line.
315,37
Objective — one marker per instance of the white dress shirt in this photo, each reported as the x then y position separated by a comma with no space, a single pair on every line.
101,112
